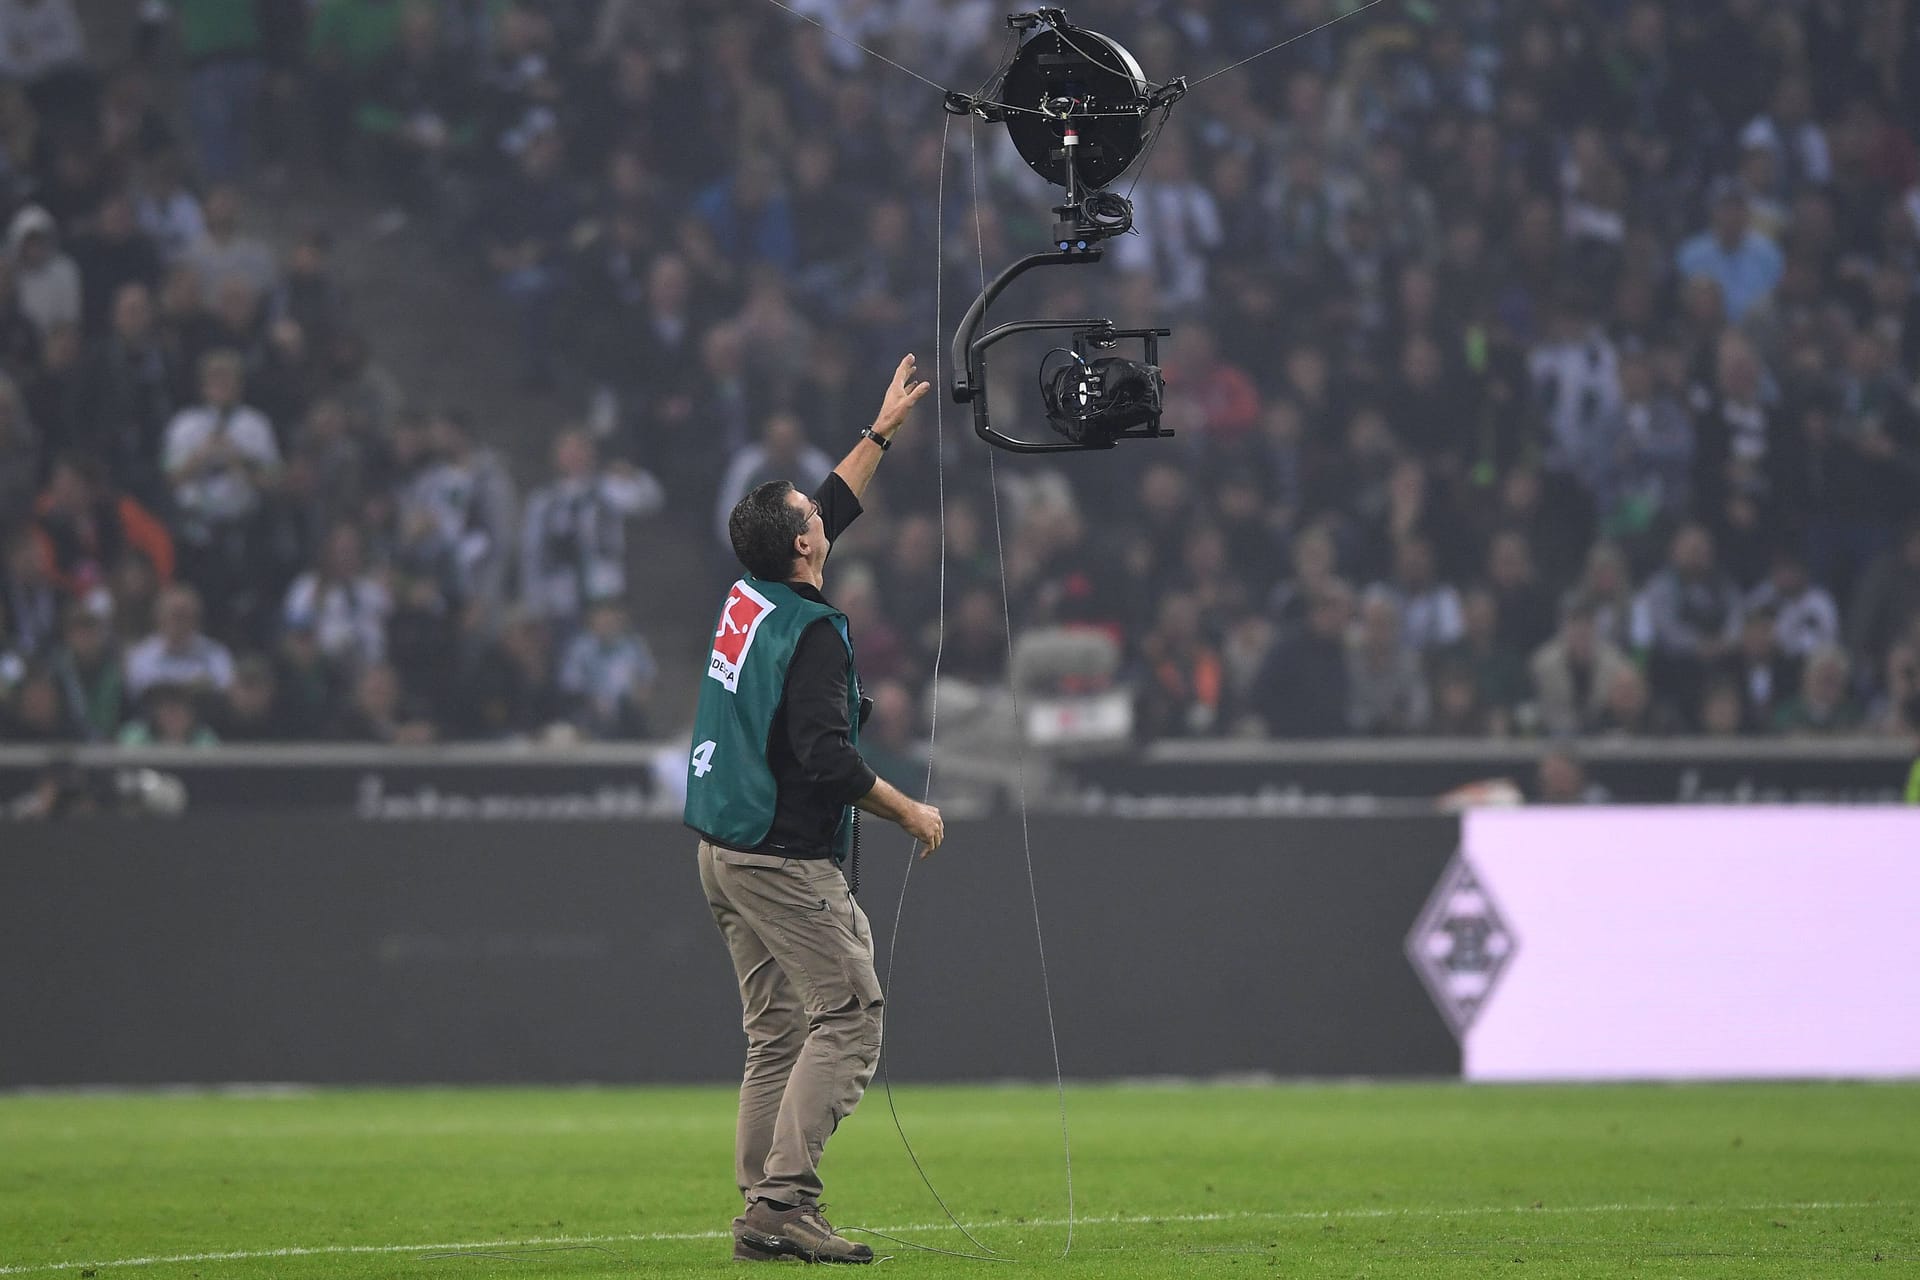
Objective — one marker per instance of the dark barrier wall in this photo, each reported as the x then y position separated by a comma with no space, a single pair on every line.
238,948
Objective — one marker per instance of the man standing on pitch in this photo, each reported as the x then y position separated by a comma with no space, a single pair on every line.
771,786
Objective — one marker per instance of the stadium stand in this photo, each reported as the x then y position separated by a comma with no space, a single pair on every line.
1539,369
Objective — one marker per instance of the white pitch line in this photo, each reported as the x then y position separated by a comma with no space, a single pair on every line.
1145,1219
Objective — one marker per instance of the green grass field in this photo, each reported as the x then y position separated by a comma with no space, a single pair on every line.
1323,1181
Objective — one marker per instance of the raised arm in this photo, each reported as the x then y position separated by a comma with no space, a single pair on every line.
857,468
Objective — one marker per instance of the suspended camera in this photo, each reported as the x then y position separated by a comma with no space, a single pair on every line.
1077,108
1096,400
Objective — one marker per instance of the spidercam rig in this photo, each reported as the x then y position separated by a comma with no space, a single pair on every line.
1077,108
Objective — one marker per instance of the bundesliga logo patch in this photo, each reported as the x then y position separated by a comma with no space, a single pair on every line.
746,609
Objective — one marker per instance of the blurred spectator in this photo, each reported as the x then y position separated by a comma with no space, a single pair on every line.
1722,711
1573,673
46,280
31,601
126,395
1560,778
166,206
1606,586
1805,618
253,711
1888,599
43,46
573,543
418,113
84,528
1218,403
1498,669
1745,264
891,741
21,451
1182,679
458,516
1304,690
308,293
343,605
1639,455
1823,704
221,459
511,691
170,717
1628,710
135,589
1526,609
528,221
607,675
371,395
1459,710
51,395
87,669
178,652
1759,670
309,687
222,44
347,40
33,713
1387,686
226,252
1186,222
1687,618
381,711
976,641
748,211
1576,381
1429,609
783,453
114,254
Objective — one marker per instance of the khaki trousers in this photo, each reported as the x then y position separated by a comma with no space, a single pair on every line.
810,1005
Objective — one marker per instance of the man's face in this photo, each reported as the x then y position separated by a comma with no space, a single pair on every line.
811,545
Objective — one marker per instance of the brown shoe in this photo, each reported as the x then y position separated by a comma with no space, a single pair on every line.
800,1232
744,1252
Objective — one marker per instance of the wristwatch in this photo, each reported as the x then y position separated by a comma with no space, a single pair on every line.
870,434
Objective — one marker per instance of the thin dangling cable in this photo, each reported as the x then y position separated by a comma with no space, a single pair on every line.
933,710
1013,688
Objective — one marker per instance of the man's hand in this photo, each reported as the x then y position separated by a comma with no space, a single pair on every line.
923,823
902,394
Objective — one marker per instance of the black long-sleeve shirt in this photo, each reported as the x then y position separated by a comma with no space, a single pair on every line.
811,751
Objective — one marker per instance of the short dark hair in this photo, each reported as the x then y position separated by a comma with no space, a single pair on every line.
762,528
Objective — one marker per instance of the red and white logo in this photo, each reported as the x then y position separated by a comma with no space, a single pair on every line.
746,609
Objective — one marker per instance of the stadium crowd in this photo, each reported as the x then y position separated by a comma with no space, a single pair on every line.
1541,368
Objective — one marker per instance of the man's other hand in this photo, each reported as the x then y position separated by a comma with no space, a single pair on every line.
924,824
904,392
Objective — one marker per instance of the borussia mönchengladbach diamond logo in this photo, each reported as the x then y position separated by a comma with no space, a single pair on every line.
1460,945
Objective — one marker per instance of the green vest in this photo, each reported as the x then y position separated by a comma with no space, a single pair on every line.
730,787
